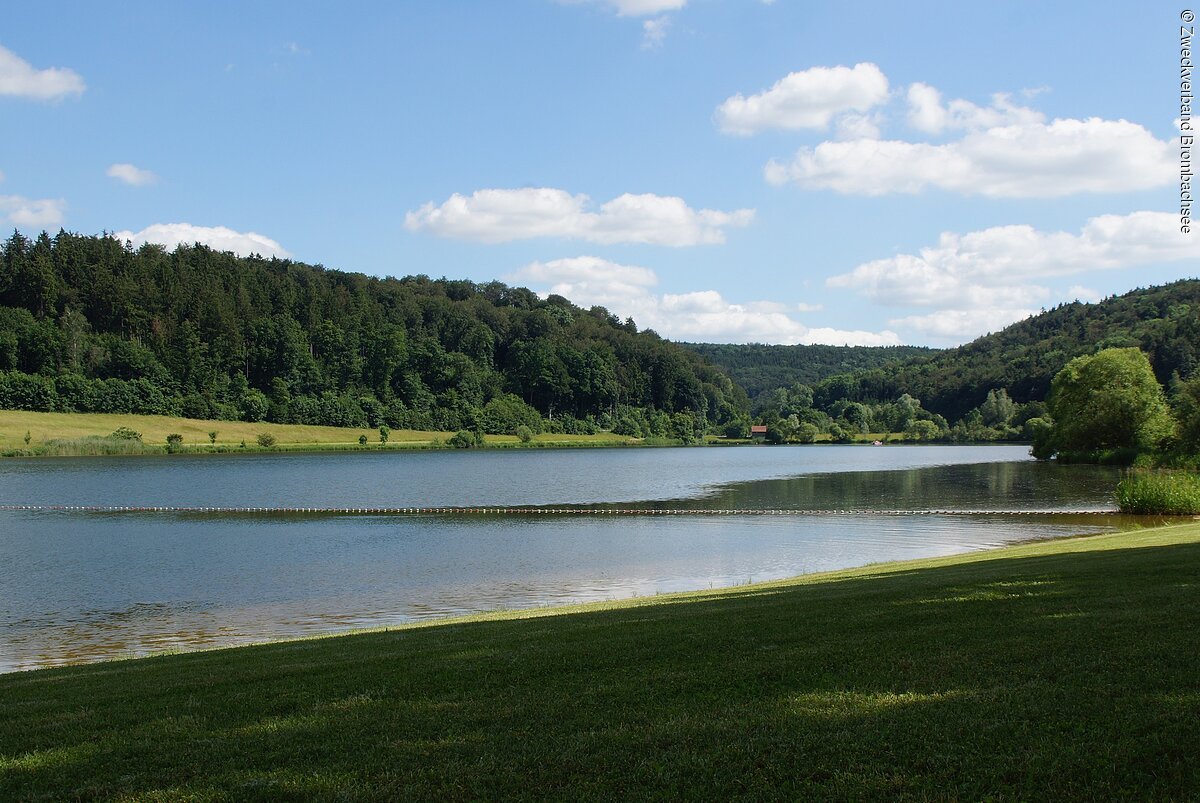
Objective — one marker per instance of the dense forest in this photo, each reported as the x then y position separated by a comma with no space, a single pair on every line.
89,324
1163,322
760,368
994,388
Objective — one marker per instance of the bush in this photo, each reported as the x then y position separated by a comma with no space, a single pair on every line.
265,440
126,434
384,432
1168,493
463,439
807,433
362,440
174,441
212,437
838,435
737,429
524,434
505,413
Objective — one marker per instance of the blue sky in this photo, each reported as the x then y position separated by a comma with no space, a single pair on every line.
720,170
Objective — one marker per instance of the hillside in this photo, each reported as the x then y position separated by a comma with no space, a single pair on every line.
1162,321
88,324
758,367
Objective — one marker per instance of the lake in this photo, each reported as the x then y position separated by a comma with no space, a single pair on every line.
89,586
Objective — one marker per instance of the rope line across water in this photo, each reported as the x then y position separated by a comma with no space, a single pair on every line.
532,511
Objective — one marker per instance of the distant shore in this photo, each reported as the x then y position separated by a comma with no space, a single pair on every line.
35,434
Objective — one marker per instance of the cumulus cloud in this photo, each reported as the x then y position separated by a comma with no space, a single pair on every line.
30,213
219,238
927,112
130,174
808,99
703,315
18,78
983,280
999,150
499,215
1014,161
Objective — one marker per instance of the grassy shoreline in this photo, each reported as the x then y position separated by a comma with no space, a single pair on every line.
76,434
85,435
1052,669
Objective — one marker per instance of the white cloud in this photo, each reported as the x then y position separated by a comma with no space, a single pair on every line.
130,174
641,8
803,307
19,78
29,213
927,113
957,326
858,126
218,238
635,8
654,31
703,315
1086,294
1014,161
498,215
808,99
983,280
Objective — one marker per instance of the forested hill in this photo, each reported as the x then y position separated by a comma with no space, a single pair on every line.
88,324
1164,322
761,368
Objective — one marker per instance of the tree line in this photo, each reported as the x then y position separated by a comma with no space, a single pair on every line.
989,389
90,324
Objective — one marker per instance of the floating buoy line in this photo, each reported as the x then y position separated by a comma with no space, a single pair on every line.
531,511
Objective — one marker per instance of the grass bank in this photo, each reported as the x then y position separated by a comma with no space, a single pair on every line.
1052,670
78,433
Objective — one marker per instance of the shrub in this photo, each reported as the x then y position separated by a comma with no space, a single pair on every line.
384,432
362,440
212,437
1169,493
463,439
737,429
28,437
807,433
265,440
524,434
174,441
838,435
126,434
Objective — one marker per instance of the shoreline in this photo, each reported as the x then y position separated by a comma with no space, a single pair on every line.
1061,669
89,435
882,568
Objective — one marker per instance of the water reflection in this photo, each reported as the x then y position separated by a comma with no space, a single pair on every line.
981,486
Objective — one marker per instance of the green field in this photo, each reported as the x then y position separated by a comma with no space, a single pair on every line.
46,427
1055,670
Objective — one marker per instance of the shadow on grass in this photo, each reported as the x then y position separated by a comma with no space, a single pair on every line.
1069,675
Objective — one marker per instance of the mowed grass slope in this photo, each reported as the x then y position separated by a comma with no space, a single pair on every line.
44,427
1062,670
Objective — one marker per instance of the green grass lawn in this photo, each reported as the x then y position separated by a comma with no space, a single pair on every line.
43,427
1056,670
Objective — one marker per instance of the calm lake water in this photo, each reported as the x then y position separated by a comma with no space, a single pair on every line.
76,586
